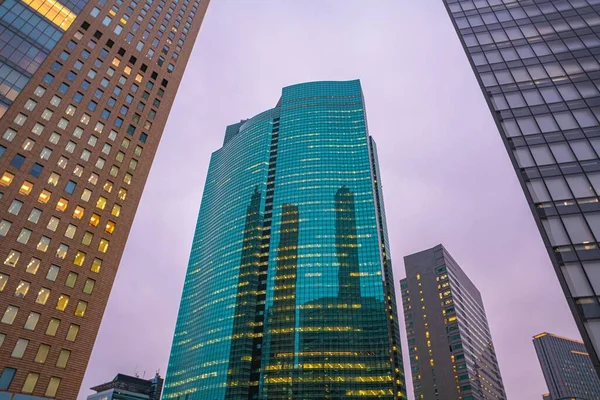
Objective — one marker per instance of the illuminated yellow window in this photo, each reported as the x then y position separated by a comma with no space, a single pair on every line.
63,358
52,387
62,204
122,194
94,220
127,178
96,265
138,78
62,302
116,62
72,333
116,210
44,196
101,203
26,188
103,245
6,179
53,179
81,307
79,258
78,213
54,11
108,185
110,227
128,70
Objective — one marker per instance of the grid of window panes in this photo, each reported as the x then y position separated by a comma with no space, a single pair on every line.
322,323
74,153
567,368
538,65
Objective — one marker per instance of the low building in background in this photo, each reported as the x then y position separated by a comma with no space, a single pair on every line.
125,387
452,356
567,368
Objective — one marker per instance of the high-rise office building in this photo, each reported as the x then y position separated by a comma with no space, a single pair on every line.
567,368
450,345
289,291
85,91
537,63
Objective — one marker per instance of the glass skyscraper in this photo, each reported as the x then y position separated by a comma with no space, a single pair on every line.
289,292
537,62
450,346
567,368
85,91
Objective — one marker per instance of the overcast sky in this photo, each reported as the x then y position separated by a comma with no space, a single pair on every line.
446,175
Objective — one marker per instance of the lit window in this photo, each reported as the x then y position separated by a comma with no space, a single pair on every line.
24,236
127,70
110,227
103,245
88,288
108,185
39,91
55,101
78,213
42,353
77,132
100,163
62,302
47,114
53,224
21,118
22,289
62,204
114,170
120,156
62,162
4,227
96,265
3,281
30,104
32,321
18,352
70,232
78,171
44,196
93,140
53,327
6,179
93,179
15,207
116,210
12,258
70,146
70,110
94,220
33,266
122,193
62,250
53,179
63,123
99,127
106,148
86,194
52,387
138,150
37,129
53,273
71,280
81,307
72,333
28,144
30,382
127,178
26,188
133,164
85,119
116,62
79,258
63,358
112,135
9,315
43,243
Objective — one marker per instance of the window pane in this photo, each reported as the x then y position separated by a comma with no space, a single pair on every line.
42,353
580,186
577,229
555,231
20,348
558,188
9,315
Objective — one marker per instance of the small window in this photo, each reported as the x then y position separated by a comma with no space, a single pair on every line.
24,236
33,266
22,289
70,232
110,227
6,179
79,258
63,301
103,245
9,315
81,307
116,210
3,281
71,280
15,207
42,354
43,243
94,220
86,194
34,216
4,227
32,321
53,224
96,265
70,187
53,179
88,288
72,333
44,196
62,250
52,387
53,273
26,188
63,358
45,153
18,352
12,258
53,327
78,213
87,238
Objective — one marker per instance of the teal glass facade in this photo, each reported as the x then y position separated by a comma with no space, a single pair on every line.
289,291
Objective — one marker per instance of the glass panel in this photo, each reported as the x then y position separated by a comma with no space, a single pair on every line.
555,231
577,229
558,188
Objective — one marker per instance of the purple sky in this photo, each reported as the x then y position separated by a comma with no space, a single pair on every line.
446,176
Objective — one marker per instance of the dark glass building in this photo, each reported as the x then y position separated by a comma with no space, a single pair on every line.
125,387
452,356
567,368
289,292
537,62
85,92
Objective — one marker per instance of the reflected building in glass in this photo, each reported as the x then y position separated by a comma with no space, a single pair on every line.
537,65
289,292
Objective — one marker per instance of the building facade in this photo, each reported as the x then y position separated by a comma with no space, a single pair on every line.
567,368
125,387
537,63
289,291
85,91
450,346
